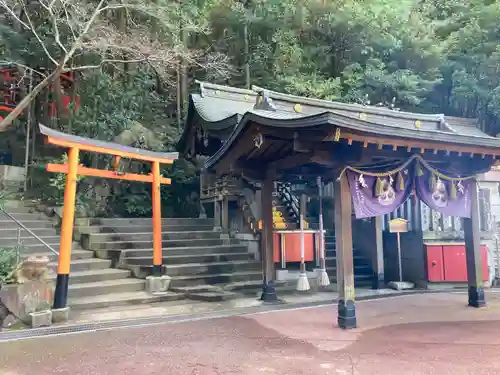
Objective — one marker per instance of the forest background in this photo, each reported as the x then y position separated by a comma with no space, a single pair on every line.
134,63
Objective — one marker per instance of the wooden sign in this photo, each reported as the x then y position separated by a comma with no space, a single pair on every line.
398,225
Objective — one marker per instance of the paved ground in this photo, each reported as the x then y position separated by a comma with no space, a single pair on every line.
422,334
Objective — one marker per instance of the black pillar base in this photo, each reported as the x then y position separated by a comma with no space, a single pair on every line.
61,292
157,270
476,297
269,292
346,314
378,281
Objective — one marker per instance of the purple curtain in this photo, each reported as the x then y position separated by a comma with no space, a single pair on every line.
376,196
450,198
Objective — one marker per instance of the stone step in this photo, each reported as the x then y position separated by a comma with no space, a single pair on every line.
39,248
105,287
188,258
22,217
359,261
20,207
142,228
75,254
120,299
167,235
360,276
40,232
196,289
214,296
30,224
85,264
27,240
148,221
94,276
214,279
204,268
172,251
206,293
241,286
148,244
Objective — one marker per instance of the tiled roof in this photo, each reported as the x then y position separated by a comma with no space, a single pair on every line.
218,103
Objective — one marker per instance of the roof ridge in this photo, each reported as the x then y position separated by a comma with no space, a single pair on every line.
347,106
231,89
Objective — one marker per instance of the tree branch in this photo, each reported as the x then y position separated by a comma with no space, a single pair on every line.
14,15
105,61
33,31
53,18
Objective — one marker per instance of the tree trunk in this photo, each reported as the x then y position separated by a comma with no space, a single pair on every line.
184,74
248,84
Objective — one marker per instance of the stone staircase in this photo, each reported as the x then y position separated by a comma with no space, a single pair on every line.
93,282
363,274
202,263
113,256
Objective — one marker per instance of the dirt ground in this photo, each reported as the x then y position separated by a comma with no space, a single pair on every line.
420,334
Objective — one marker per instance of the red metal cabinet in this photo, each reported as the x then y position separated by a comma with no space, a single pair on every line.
455,264
435,266
448,262
291,242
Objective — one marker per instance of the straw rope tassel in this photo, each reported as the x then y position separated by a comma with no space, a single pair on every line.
323,279
303,282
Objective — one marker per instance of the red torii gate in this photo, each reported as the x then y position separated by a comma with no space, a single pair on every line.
76,144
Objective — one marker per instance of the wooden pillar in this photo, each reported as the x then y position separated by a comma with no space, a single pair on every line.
203,213
157,222
266,242
217,216
473,252
225,213
345,262
63,266
378,256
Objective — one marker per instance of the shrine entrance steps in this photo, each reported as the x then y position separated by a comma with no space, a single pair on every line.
94,282
202,265
363,272
111,258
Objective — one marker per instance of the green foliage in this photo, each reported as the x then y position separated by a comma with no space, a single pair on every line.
8,262
439,56
52,192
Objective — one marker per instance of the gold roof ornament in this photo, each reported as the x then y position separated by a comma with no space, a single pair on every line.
418,124
363,116
297,108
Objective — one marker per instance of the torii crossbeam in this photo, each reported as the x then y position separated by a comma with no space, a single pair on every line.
75,144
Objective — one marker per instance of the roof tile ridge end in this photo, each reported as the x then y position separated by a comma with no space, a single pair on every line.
207,85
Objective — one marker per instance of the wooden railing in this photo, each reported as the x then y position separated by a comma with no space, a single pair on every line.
228,186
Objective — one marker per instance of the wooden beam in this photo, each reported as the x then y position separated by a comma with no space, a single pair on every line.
344,253
473,252
301,145
245,146
417,144
107,151
291,161
91,172
269,289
